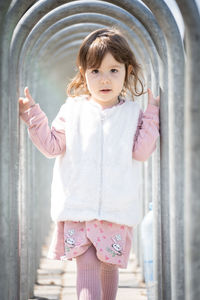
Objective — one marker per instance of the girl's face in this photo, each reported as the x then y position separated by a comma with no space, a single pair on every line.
106,82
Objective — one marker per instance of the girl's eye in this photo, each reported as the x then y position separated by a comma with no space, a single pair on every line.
114,70
95,71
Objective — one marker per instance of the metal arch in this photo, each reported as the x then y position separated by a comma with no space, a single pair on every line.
94,18
57,12
158,22
191,19
9,231
15,48
31,39
174,286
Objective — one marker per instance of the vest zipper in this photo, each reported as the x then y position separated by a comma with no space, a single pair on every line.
101,167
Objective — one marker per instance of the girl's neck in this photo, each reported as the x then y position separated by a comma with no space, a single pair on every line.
105,105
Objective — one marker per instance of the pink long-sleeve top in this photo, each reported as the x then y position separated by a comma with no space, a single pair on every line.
51,141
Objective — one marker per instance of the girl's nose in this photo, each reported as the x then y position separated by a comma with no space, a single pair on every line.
105,79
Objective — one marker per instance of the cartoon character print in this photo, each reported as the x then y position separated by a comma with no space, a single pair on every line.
116,246
69,241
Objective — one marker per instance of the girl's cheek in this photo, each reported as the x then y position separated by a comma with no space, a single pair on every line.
93,77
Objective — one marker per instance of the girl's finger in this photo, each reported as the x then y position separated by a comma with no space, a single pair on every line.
23,101
25,90
27,93
150,94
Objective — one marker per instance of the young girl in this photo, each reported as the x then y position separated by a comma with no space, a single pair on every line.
99,139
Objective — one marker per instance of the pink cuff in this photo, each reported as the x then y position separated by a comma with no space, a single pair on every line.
30,113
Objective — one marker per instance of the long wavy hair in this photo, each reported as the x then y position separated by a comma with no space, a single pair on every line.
91,53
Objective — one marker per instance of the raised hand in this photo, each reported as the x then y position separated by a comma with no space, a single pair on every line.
25,102
152,100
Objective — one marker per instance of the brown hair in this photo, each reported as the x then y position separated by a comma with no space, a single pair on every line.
91,53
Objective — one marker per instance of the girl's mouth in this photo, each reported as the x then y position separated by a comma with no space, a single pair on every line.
105,90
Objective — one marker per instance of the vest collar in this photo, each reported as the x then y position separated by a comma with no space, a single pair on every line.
99,107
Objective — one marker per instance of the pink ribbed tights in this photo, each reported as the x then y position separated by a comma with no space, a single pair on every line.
95,280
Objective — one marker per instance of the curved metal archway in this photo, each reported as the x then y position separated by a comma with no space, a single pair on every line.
39,41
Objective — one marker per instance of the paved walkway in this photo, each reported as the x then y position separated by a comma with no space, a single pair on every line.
56,280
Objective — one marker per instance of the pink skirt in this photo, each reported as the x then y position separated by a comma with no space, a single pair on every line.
112,241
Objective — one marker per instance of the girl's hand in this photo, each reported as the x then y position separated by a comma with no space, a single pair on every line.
152,100
27,102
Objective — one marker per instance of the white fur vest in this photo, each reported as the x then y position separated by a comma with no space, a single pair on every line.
97,178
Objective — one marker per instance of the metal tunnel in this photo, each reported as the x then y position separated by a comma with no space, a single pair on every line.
39,41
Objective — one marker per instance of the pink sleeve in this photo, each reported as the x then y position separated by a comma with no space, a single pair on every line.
50,141
147,133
